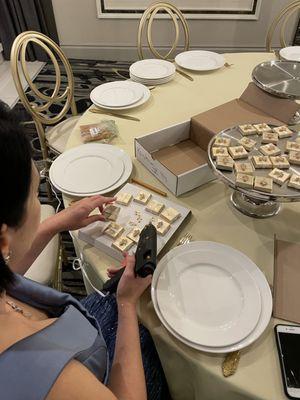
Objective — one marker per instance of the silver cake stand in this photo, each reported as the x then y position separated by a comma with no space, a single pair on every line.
280,78
252,202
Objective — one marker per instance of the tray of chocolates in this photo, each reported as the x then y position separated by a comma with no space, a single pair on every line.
133,209
258,159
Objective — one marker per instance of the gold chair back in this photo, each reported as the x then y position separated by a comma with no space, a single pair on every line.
283,18
146,24
59,94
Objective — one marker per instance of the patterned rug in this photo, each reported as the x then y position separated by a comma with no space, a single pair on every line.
87,75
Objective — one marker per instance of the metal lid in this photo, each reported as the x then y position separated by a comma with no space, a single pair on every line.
280,78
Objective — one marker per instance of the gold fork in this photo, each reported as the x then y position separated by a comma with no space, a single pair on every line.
231,363
185,239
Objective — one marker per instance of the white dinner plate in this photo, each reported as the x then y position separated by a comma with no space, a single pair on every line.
118,94
152,69
291,53
126,174
200,60
252,269
208,297
56,175
144,99
88,169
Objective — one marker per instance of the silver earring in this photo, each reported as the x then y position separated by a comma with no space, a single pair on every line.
7,258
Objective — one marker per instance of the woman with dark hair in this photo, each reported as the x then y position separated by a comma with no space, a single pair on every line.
52,346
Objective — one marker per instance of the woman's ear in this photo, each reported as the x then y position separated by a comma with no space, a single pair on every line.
4,241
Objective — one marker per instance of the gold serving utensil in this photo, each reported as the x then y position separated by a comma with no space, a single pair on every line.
129,117
231,363
184,74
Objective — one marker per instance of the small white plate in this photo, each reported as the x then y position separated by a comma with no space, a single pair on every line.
207,297
118,94
252,269
200,60
144,99
89,168
291,53
152,69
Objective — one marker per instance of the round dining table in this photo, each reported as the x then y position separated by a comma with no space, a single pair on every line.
193,374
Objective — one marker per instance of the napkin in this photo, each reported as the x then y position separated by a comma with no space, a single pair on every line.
286,281
279,108
254,105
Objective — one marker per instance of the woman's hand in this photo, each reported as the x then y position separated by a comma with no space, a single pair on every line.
130,287
78,215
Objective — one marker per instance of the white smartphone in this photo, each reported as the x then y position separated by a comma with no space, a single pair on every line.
288,344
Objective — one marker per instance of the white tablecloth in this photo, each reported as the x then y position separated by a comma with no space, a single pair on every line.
192,374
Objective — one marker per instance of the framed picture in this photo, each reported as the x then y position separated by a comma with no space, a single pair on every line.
192,9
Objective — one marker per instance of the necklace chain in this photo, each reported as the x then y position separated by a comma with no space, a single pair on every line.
18,309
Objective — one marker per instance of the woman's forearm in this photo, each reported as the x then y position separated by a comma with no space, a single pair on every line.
127,380
45,233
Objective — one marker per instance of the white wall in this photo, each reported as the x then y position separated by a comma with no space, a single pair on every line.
83,35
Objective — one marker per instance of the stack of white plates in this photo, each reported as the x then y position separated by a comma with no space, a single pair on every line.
200,60
120,95
152,71
90,169
211,297
291,53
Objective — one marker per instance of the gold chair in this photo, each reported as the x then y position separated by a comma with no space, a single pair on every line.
147,21
283,18
53,137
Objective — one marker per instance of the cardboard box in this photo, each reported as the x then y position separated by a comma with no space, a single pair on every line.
177,155
173,156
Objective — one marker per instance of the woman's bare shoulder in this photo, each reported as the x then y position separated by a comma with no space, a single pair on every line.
76,382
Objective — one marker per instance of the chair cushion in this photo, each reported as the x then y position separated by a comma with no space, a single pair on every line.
44,267
58,135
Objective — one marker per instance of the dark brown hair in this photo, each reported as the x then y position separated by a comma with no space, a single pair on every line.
15,178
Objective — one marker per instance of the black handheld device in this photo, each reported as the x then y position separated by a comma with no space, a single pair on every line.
145,258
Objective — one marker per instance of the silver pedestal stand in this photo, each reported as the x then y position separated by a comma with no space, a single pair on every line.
252,202
253,207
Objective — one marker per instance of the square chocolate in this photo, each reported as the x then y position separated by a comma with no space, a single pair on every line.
238,152
219,151
270,150
270,137
294,181
225,163
222,142
261,162
247,143
261,128
247,129
283,132
294,157
244,181
244,168
281,162
278,176
263,184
